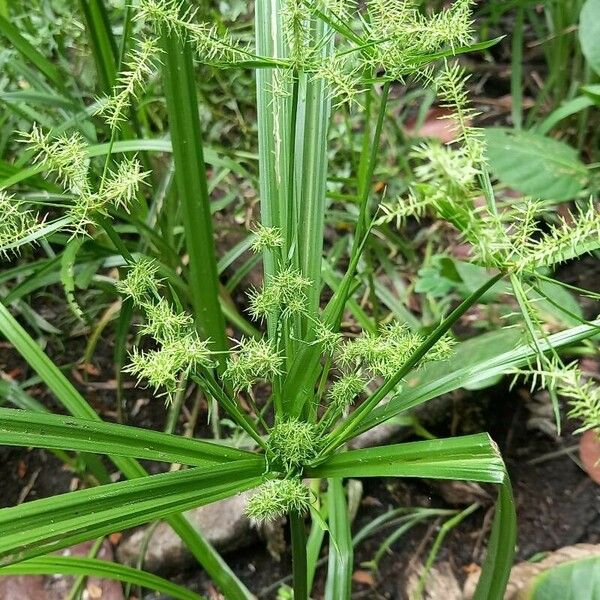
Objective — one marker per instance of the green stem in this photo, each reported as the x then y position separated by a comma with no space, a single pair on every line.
365,188
299,564
291,229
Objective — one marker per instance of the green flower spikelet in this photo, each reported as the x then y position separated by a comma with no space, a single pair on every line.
278,497
291,444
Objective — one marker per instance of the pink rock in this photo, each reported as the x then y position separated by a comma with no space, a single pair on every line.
589,452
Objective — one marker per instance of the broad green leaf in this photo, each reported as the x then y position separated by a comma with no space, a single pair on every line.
575,580
557,296
589,33
443,377
47,525
474,276
471,457
46,430
535,165
92,567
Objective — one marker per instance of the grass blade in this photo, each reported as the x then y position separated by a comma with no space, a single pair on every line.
41,430
104,47
49,70
92,567
498,561
50,524
472,457
341,551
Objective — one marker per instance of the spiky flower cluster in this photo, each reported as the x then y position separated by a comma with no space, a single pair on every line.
278,497
401,209
284,293
340,396
177,357
447,174
181,352
447,184
401,35
383,354
344,391
139,67
141,283
295,15
266,238
569,381
328,338
341,77
451,89
254,360
210,44
67,157
291,444
18,223
573,236
584,399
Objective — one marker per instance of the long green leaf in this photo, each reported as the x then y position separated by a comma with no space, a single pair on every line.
471,457
104,47
50,524
498,561
190,177
341,551
48,68
22,428
311,172
92,567
211,156
273,120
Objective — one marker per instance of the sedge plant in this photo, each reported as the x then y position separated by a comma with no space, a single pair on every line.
312,58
